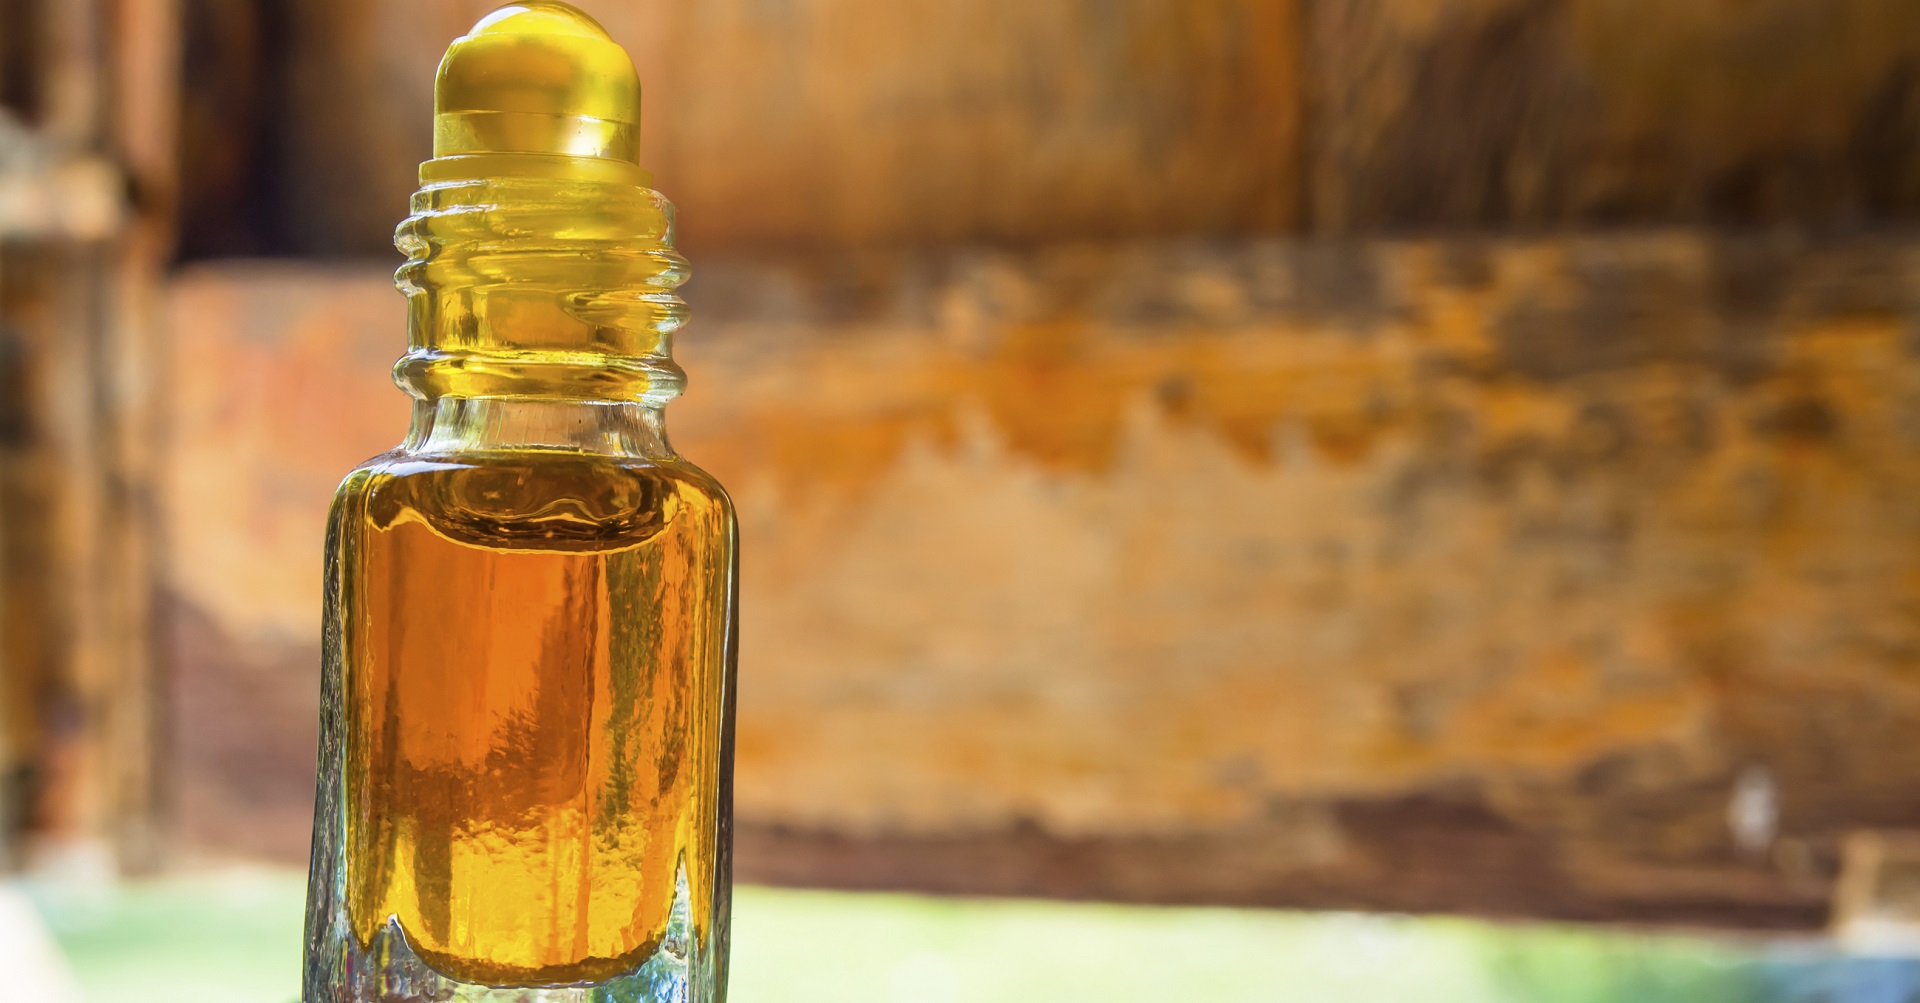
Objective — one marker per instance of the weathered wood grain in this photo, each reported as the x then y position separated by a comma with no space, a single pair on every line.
839,122
1489,113
860,123
1462,574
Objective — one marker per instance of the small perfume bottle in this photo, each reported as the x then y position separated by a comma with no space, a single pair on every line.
524,784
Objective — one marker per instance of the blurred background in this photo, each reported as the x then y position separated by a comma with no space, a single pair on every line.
1208,457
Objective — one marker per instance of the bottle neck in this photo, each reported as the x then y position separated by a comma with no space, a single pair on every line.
450,425
540,289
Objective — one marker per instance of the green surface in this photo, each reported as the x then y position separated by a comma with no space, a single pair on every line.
910,950
234,937
227,938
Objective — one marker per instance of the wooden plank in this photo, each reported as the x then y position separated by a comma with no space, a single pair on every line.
1471,574
27,646
862,123
1488,113
53,293
849,122
145,49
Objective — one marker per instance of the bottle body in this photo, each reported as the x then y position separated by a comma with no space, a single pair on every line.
526,730
527,715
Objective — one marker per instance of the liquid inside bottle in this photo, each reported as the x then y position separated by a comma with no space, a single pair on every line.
531,638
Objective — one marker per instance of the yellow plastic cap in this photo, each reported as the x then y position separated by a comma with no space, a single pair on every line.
537,77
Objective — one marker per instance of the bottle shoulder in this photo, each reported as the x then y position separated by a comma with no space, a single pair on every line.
535,497
399,464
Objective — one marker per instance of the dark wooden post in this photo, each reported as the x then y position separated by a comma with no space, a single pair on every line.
86,152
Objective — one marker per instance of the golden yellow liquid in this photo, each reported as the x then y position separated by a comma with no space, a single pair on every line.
535,647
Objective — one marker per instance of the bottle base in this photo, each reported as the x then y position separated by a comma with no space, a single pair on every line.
389,971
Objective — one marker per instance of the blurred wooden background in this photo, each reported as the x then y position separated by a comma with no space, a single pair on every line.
1354,453
88,91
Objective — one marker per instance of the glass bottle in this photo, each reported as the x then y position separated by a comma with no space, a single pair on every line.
524,786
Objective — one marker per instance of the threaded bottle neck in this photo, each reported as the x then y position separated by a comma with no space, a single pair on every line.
527,287
451,426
